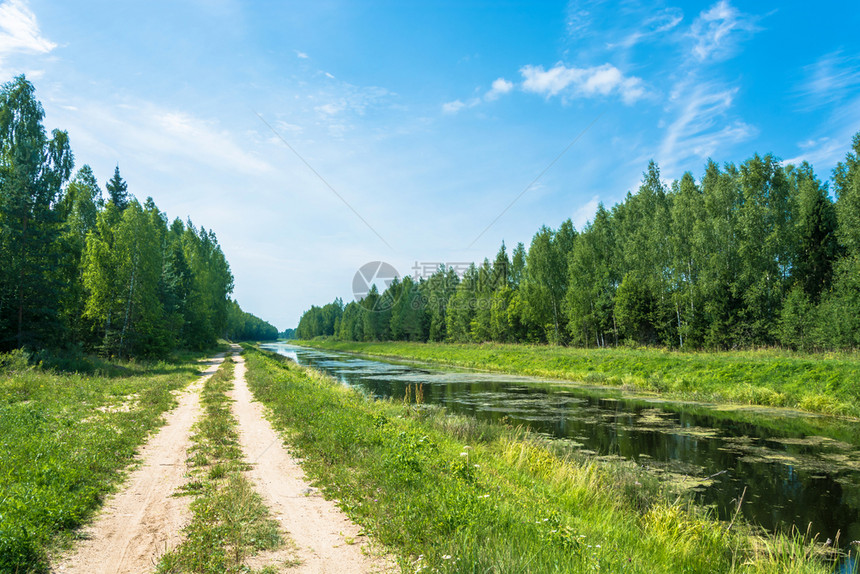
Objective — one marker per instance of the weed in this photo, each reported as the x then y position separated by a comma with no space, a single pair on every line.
230,520
502,501
65,437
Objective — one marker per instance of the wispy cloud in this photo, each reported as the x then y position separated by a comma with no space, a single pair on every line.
499,88
585,212
581,82
703,125
301,55
717,31
166,140
831,79
660,23
823,151
579,17
19,30
457,105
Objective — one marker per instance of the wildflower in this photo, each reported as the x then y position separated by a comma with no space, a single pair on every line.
446,557
467,447
464,454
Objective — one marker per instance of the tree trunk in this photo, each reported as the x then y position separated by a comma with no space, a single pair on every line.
21,284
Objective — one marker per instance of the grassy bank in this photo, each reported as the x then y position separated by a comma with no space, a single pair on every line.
817,383
230,521
64,439
451,494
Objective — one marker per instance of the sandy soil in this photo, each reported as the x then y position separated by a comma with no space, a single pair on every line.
144,519
326,541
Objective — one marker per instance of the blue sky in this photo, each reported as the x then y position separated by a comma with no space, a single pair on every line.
427,119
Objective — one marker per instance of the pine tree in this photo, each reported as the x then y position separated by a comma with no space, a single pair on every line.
117,189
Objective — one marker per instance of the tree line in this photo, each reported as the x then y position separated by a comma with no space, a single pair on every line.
107,274
756,254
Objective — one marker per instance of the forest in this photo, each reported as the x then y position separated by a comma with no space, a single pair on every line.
99,272
750,255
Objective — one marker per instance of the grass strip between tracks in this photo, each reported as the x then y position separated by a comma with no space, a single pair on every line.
230,521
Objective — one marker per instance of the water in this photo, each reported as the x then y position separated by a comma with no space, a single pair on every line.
790,469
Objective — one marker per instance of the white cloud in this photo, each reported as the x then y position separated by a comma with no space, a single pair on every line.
453,107
824,151
500,87
834,138
660,23
717,31
301,55
19,31
457,105
164,139
585,212
587,82
703,125
831,79
331,109
579,17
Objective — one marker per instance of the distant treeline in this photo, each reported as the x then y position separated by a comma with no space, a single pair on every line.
242,326
750,255
288,334
97,273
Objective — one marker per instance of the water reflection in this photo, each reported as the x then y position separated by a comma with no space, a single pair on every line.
788,471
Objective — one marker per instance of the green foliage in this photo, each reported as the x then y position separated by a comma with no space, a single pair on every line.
503,502
76,272
242,326
33,169
694,265
770,378
65,437
230,521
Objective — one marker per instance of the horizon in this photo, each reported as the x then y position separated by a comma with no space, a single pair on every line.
316,139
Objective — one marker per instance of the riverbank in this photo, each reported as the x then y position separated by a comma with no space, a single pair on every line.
448,493
825,384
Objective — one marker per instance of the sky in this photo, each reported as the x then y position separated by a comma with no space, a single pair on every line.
315,137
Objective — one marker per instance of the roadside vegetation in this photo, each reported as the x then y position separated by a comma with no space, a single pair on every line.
230,521
65,438
769,378
451,494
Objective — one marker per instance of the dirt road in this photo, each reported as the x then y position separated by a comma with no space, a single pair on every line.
144,519
326,540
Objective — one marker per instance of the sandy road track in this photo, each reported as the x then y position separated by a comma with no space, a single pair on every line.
142,520
327,542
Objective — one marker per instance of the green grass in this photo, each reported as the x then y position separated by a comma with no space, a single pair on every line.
825,383
451,494
230,521
65,439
